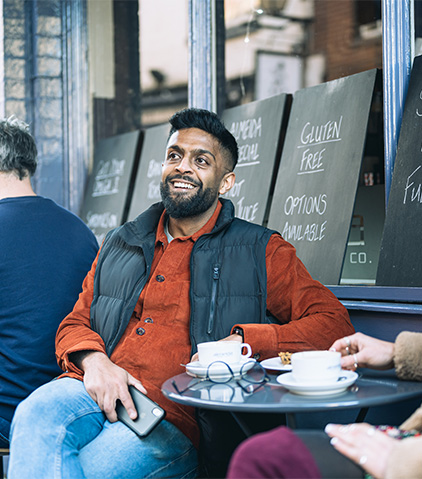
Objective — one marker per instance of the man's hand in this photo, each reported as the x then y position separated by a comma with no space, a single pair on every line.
365,351
106,382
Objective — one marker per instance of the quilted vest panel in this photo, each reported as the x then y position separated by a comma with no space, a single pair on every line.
228,276
228,280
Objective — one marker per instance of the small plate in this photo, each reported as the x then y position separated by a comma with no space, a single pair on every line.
346,379
275,364
199,370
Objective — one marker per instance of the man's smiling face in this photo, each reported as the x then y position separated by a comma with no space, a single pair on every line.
193,173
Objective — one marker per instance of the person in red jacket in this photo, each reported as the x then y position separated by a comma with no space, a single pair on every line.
128,331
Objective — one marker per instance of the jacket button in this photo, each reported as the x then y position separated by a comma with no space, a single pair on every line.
148,320
256,356
140,331
160,278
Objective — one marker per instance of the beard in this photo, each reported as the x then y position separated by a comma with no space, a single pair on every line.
187,205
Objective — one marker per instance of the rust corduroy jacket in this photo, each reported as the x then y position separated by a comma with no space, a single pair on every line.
156,340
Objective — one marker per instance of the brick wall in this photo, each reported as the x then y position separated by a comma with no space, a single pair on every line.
15,74
38,78
47,89
335,36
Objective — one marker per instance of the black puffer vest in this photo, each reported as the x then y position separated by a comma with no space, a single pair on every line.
228,276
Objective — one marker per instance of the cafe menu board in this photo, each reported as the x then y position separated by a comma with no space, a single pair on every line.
147,184
400,262
315,190
108,186
256,127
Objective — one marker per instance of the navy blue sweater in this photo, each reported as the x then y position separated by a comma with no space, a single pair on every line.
45,253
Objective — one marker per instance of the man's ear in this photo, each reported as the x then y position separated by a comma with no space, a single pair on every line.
227,183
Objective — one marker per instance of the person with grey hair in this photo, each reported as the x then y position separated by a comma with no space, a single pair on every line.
45,253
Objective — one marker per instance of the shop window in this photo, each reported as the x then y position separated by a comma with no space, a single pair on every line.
368,18
418,27
281,46
163,59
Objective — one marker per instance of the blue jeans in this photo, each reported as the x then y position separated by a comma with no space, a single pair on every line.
60,432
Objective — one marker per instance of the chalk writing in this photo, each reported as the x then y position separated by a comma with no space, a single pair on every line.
247,129
244,131
235,191
154,190
305,204
154,168
415,191
318,134
101,221
311,162
107,179
309,232
247,212
248,155
417,109
256,127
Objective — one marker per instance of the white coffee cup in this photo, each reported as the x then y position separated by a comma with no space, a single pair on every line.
228,351
316,366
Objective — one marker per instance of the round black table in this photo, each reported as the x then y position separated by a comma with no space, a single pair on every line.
370,389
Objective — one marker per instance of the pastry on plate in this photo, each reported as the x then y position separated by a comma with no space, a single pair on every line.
286,358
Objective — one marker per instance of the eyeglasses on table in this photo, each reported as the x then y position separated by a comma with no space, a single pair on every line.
250,378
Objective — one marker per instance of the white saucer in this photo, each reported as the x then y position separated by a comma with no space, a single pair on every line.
346,379
275,364
199,370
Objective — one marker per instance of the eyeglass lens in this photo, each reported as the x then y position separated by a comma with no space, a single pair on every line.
220,372
253,372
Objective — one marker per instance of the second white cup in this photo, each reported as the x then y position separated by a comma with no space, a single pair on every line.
316,366
228,351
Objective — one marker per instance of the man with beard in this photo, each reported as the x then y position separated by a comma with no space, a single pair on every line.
183,272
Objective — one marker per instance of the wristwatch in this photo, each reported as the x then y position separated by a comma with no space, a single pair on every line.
240,332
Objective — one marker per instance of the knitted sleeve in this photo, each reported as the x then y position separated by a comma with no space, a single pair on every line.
408,356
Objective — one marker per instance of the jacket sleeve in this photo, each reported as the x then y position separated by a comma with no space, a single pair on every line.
408,364
405,460
408,356
310,315
75,333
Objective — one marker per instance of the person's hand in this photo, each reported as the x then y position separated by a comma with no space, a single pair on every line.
364,445
106,382
364,351
232,337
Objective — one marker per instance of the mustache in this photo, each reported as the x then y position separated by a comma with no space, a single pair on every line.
184,178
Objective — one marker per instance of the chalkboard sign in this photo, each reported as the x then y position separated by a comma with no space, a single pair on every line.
400,262
319,171
108,186
256,127
147,184
363,245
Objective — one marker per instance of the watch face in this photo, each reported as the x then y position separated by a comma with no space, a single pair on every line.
238,331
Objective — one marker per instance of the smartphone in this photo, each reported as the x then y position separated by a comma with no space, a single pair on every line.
150,414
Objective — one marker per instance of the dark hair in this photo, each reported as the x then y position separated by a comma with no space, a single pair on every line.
207,121
18,152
